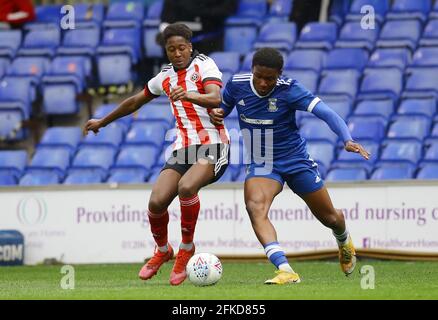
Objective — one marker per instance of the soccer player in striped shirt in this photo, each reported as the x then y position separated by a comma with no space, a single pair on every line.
192,82
266,103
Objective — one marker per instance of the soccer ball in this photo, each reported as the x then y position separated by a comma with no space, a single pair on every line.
204,269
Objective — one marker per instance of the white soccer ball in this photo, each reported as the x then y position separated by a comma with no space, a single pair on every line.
204,269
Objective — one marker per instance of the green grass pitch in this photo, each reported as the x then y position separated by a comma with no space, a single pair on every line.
241,280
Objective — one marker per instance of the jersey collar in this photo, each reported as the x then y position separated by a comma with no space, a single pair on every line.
255,91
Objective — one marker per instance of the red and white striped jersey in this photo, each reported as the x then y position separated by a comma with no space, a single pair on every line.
192,121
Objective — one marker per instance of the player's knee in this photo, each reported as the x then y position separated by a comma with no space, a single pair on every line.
186,189
157,204
256,205
333,221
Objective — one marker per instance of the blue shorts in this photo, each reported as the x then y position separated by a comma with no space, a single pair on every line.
304,181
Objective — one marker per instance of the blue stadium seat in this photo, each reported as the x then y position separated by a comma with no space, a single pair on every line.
111,136
11,41
279,35
352,35
121,41
402,151
146,133
4,64
88,15
347,159
390,57
426,107
308,78
425,57
305,59
150,46
381,84
393,172
430,34
346,174
410,127
83,177
51,159
434,133
60,99
7,179
280,9
249,12
431,154
338,11
346,58
127,175
156,112
317,130
339,83
239,38
246,65
120,71
165,154
39,178
434,13
154,176
342,107
80,42
410,9
61,137
137,156
41,42
323,153
124,14
226,61
380,7
383,107
153,14
105,109
69,69
367,128
400,34
32,68
421,82
316,35
429,171
47,17
13,162
90,158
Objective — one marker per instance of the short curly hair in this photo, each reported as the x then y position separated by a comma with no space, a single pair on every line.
177,29
268,57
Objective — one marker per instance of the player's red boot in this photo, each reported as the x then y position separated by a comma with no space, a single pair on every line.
178,274
151,267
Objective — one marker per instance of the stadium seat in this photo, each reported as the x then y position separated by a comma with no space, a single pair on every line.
421,82
367,128
434,132
426,107
31,68
47,17
280,9
88,16
90,158
346,58
305,59
317,130
61,137
154,176
430,34
346,174
390,57
151,48
383,107
428,171
83,177
146,133
400,34
352,35
153,14
322,152
279,35
308,78
120,71
60,99
342,107
347,159
339,83
51,159
110,136
226,61
402,151
80,42
434,13
7,179
239,38
69,69
11,41
13,162
381,84
4,64
156,112
105,109
124,14
380,7
121,41
42,42
409,9
246,65
393,172
316,35
338,11
39,178
410,127
249,12
127,175
165,154
137,156
425,57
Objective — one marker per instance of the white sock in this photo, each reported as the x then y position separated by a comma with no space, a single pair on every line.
163,249
186,246
286,267
341,239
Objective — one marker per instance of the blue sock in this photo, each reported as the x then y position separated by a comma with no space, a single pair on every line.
277,257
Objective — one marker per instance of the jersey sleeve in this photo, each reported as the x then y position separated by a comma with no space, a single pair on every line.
154,87
300,98
210,73
228,97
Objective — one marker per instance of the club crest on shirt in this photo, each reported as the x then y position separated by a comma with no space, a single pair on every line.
195,77
272,106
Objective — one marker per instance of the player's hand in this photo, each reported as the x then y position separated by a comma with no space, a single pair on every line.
93,125
178,93
217,116
352,146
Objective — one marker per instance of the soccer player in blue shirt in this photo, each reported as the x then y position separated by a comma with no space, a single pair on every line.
266,103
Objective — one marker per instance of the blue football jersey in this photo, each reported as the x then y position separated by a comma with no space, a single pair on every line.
268,123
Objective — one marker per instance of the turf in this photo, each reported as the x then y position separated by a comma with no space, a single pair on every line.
241,280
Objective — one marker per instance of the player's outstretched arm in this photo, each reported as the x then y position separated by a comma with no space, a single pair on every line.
128,106
352,146
210,99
